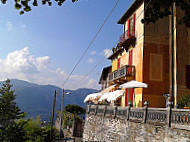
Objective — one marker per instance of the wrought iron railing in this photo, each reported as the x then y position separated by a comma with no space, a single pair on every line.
122,72
176,118
126,35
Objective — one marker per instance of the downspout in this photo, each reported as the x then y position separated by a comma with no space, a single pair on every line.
173,60
172,53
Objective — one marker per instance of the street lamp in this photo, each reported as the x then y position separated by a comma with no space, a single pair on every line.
60,122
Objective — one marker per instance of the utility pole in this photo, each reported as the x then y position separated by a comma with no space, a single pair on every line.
61,113
52,116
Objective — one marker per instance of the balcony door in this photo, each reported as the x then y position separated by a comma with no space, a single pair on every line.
128,96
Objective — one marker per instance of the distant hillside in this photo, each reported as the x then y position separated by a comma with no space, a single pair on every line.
37,99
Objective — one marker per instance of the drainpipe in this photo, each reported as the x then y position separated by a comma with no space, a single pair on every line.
173,60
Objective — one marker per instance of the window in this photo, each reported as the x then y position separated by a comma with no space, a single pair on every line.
188,76
131,27
129,96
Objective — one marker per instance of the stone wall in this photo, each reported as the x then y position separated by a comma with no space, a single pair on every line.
129,124
100,128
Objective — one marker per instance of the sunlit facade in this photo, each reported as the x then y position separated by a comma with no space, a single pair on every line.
143,54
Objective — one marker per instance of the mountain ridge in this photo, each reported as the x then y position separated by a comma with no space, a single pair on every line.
37,99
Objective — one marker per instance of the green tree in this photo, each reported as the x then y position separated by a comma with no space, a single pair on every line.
33,130
158,9
70,112
9,113
13,128
25,5
75,109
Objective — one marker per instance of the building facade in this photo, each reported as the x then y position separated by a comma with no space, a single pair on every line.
143,53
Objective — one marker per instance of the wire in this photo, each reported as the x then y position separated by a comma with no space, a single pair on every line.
90,44
101,60
110,49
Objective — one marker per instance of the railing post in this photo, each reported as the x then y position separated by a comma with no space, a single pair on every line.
145,111
169,113
89,107
115,112
105,110
176,106
96,109
128,111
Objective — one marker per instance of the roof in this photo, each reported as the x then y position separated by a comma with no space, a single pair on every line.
105,72
129,11
116,53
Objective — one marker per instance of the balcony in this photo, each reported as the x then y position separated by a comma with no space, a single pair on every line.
126,40
122,73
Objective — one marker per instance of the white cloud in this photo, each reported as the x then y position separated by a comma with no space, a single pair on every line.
107,52
21,64
93,53
9,26
22,25
91,83
90,60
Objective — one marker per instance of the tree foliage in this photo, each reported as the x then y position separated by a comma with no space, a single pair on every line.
13,128
26,5
158,9
75,109
71,112
9,113
184,101
34,132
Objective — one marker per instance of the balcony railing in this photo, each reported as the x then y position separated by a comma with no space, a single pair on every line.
125,71
175,118
123,37
126,39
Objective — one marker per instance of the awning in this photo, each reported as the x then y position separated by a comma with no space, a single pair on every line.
113,96
134,84
92,96
107,89
104,97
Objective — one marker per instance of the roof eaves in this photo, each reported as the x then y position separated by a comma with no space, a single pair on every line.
104,70
125,15
116,53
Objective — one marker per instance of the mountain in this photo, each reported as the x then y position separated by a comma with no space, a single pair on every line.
38,99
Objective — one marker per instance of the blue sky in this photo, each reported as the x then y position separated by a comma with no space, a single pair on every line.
43,46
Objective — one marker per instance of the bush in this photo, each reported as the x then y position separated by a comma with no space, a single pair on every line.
184,101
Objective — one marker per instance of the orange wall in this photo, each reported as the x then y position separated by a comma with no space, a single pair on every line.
114,65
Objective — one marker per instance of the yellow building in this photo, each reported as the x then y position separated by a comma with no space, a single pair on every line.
143,54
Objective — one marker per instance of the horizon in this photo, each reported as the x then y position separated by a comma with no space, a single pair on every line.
45,84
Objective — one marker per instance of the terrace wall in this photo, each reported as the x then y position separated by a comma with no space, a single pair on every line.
136,124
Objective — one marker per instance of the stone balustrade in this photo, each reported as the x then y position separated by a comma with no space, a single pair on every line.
175,118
